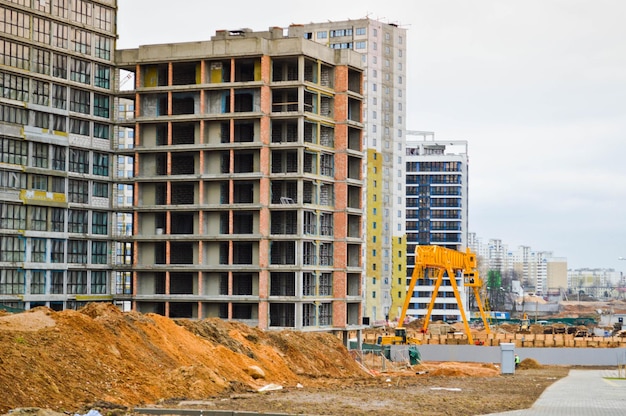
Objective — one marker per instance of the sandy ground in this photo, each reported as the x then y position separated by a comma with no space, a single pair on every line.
101,358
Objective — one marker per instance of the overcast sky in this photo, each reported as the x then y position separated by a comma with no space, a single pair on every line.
537,87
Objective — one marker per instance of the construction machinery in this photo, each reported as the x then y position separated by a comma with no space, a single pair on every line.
524,325
398,338
443,260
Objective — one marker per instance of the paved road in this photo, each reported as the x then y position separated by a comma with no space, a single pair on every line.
581,393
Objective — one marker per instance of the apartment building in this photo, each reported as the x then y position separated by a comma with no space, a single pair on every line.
56,152
383,52
248,180
436,214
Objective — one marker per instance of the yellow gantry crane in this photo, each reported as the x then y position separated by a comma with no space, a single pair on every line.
442,260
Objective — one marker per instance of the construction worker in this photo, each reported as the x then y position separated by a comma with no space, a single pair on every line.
517,360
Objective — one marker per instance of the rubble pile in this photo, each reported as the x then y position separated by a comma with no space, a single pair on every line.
70,359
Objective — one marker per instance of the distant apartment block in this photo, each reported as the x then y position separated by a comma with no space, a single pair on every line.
537,272
383,48
436,214
248,180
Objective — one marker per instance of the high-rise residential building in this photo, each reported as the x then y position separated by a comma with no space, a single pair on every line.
436,214
57,152
556,275
248,180
383,48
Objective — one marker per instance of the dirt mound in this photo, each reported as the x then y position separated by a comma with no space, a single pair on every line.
71,359
456,369
529,363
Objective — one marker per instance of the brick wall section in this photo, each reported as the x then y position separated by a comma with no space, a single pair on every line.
341,197
264,185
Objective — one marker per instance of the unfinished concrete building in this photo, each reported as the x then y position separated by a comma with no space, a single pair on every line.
248,180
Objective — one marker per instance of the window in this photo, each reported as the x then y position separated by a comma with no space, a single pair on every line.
60,8
12,217
99,252
77,251
322,35
41,30
59,66
38,218
76,282
58,157
14,54
82,41
40,155
39,182
12,282
41,61
98,282
99,223
59,96
14,87
13,115
100,164
101,189
101,131
103,77
102,47
79,161
327,164
59,123
57,251
102,17
79,101
342,45
37,282
360,31
326,284
58,220
41,119
58,184
12,248
14,23
81,11
101,105
56,286
78,191
361,45
60,35
80,71
326,314
38,250
77,221
40,93
78,126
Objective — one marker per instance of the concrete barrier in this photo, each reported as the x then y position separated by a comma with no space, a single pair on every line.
601,357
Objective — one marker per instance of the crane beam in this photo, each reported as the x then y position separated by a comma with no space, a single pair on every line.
443,260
